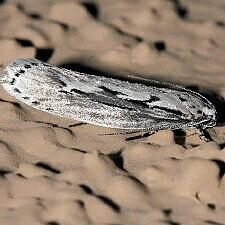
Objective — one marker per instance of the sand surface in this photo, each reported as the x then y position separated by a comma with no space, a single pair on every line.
57,171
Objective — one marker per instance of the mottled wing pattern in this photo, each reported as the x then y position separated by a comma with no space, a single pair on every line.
105,101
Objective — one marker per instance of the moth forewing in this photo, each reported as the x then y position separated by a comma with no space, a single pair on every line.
137,104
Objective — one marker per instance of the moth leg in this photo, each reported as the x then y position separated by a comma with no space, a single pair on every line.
117,133
179,136
146,134
203,134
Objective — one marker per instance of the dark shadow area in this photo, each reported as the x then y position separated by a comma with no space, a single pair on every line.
3,172
213,222
52,223
220,23
211,206
92,8
44,54
137,137
47,167
35,16
170,222
160,46
81,203
181,10
109,202
83,68
54,125
86,189
77,124
179,136
16,104
206,135
138,182
20,175
221,165
117,160
24,42
167,212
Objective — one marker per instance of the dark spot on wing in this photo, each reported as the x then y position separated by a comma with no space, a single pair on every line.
110,91
78,91
137,102
113,105
62,83
153,99
144,103
183,99
27,66
34,64
17,90
21,71
26,98
13,81
35,103
65,92
49,109
173,111
17,74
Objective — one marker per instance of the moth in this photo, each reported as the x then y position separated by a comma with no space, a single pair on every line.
133,104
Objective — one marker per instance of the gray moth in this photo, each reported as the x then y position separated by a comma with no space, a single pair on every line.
136,104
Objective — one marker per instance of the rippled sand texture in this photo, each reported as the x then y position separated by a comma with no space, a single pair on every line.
56,171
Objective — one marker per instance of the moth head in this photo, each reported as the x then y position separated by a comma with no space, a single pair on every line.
210,115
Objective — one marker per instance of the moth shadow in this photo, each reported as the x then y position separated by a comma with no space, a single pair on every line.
83,68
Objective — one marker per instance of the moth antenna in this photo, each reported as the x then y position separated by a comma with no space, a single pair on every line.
117,133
